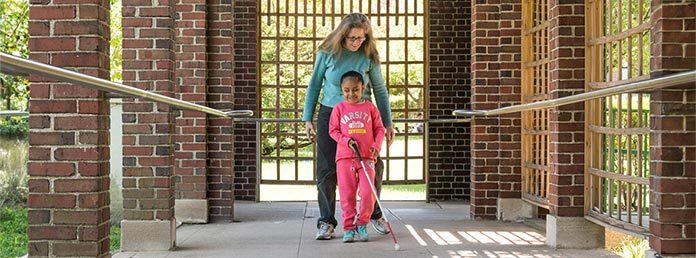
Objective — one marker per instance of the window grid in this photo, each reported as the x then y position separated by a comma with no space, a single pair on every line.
618,33
535,80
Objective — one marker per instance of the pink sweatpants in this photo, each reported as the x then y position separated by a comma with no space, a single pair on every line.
350,179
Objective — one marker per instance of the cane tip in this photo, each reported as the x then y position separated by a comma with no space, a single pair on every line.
397,247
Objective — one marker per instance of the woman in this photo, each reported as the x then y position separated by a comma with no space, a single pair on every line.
350,47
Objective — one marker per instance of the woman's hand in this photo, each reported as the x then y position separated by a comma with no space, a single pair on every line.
310,131
374,153
389,134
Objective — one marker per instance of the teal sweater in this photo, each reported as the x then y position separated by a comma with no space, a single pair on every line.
327,73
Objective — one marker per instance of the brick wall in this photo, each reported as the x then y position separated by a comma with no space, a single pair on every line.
673,130
566,123
190,85
244,69
220,96
148,128
449,89
69,133
485,79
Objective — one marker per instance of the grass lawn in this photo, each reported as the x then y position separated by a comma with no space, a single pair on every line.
115,237
272,192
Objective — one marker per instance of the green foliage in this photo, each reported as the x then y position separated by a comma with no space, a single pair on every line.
115,238
13,171
632,248
13,231
14,27
619,63
116,42
14,127
14,39
418,188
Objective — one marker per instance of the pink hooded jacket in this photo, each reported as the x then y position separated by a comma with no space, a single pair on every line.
360,122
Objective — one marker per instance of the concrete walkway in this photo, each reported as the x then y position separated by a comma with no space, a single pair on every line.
433,230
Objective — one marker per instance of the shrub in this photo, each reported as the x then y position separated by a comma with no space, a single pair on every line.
13,231
14,127
13,172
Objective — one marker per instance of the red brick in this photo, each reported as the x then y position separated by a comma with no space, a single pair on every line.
51,201
51,12
51,169
667,230
52,106
76,185
92,169
52,233
78,28
83,122
39,28
76,59
73,91
76,249
39,216
51,138
91,200
38,185
665,185
54,44
77,154
76,217
39,153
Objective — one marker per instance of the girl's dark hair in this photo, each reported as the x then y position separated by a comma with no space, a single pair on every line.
353,75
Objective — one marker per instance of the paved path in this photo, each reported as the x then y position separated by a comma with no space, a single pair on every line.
433,230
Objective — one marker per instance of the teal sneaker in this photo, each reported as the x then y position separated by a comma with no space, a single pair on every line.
362,233
349,236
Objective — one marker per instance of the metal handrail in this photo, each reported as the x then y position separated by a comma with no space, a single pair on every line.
13,113
17,65
396,120
666,81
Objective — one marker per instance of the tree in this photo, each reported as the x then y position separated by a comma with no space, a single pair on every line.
14,40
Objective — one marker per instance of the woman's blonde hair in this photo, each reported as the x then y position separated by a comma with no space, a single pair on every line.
334,41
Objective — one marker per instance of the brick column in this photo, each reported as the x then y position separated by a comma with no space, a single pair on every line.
69,133
244,71
148,128
220,89
510,91
673,131
565,225
485,81
449,89
190,140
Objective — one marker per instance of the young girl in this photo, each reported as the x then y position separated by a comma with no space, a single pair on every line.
355,120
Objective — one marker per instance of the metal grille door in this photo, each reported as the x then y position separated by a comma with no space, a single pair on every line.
289,33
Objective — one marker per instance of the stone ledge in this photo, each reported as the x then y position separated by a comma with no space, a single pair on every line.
147,235
510,209
191,211
573,233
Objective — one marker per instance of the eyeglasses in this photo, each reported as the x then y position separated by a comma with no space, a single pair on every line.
353,39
